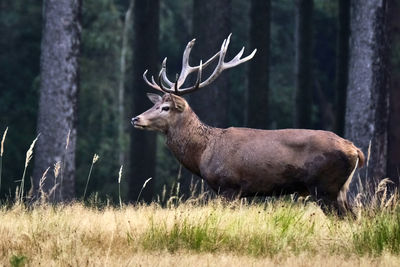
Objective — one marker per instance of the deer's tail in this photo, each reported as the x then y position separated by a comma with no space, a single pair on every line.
361,158
342,197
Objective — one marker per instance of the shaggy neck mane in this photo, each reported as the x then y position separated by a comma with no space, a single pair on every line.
188,139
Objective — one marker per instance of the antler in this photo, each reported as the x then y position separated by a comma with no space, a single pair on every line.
165,85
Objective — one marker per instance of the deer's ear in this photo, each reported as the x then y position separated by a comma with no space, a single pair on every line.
180,103
154,98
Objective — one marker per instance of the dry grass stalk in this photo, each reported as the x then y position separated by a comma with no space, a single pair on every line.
57,171
369,153
1,153
43,195
2,142
57,167
94,160
120,174
29,153
164,193
384,184
119,185
28,158
68,138
144,185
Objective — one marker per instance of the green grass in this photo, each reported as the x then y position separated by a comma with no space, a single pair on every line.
253,230
379,233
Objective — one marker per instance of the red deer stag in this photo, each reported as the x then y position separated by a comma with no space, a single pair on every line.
248,162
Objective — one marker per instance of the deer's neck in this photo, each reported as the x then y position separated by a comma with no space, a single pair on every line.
188,139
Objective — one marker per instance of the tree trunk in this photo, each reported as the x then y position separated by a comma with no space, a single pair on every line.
303,64
58,95
121,84
145,56
258,85
393,157
367,98
342,64
211,25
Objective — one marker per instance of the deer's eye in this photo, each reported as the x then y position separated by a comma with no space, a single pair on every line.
165,108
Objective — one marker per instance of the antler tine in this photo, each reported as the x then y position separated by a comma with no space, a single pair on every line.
237,60
163,72
198,80
163,89
239,55
186,54
153,84
186,68
225,47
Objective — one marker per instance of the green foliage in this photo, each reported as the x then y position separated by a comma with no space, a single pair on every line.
282,64
98,97
237,76
324,55
20,31
175,32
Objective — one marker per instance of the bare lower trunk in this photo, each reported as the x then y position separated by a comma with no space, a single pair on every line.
58,96
121,85
367,99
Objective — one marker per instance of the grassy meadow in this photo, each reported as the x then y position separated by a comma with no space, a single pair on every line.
200,231
197,233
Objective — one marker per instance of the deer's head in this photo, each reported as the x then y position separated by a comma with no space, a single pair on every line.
166,111
171,107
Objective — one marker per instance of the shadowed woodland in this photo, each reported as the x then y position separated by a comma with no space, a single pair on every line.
71,74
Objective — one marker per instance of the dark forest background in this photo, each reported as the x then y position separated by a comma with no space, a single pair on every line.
72,70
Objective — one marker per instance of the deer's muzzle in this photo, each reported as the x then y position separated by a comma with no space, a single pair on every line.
136,123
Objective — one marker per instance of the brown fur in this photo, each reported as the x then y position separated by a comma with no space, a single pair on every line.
248,162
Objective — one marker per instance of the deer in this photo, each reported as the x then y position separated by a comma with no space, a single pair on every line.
242,162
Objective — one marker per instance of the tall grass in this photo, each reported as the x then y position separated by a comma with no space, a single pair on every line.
379,233
273,231
260,230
